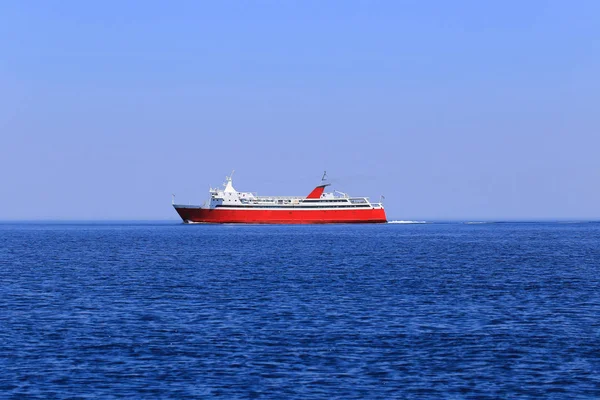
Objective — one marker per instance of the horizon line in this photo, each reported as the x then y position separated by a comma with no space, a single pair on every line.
414,220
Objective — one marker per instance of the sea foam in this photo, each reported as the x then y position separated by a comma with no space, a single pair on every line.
406,222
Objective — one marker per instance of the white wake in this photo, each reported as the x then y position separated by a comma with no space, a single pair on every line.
407,222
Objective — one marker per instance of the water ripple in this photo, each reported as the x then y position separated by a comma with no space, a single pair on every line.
390,311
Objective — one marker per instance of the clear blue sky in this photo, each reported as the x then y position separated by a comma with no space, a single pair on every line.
451,109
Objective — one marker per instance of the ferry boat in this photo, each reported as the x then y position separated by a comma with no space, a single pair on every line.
229,206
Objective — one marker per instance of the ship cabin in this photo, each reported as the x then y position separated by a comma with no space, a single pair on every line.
228,197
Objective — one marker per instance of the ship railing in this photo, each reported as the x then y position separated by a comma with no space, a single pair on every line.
365,200
278,197
359,200
268,199
303,197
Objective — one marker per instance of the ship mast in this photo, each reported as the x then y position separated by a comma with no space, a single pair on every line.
228,185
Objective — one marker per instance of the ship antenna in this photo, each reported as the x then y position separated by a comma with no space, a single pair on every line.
324,176
230,176
173,198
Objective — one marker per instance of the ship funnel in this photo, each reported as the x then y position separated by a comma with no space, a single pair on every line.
318,191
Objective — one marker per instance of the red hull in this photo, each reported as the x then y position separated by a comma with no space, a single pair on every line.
221,216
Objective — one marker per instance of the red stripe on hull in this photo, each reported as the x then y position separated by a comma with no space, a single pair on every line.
221,216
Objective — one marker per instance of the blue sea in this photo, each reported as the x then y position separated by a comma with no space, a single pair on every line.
166,310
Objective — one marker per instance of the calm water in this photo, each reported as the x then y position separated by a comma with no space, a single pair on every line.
385,311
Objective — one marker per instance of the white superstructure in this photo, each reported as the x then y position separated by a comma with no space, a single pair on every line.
228,197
